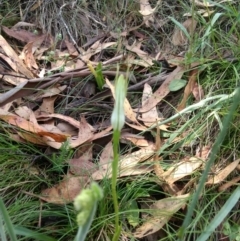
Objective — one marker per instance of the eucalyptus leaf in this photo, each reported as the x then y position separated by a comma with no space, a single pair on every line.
177,84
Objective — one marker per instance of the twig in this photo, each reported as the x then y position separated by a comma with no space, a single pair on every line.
150,80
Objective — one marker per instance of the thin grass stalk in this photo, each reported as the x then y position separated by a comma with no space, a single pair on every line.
7,221
116,138
2,231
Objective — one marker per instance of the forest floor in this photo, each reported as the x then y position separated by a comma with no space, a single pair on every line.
178,174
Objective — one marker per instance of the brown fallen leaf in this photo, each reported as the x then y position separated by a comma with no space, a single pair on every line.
68,119
137,127
203,152
47,107
198,92
146,59
182,169
137,140
7,63
179,37
129,164
101,134
31,127
166,186
83,165
22,35
65,127
162,91
150,117
94,49
187,166
223,174
65,191
32,137
229,184
24,112
188,89
106,156
21,68
85,133
147,11
27,56
30,86
162,211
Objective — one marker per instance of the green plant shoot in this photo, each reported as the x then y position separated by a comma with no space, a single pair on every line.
97,74
117,121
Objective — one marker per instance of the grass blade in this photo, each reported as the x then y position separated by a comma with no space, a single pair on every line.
222,214
32,234
7,221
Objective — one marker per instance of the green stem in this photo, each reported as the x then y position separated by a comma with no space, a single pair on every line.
83,230
116,137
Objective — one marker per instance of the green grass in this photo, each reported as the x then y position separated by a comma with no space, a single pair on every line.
27,169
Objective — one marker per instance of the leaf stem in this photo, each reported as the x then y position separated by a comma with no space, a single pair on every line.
116,137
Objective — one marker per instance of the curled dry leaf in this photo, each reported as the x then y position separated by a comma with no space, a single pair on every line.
188,89
223,174
198,92
65,191
163,210
27,56
12,55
